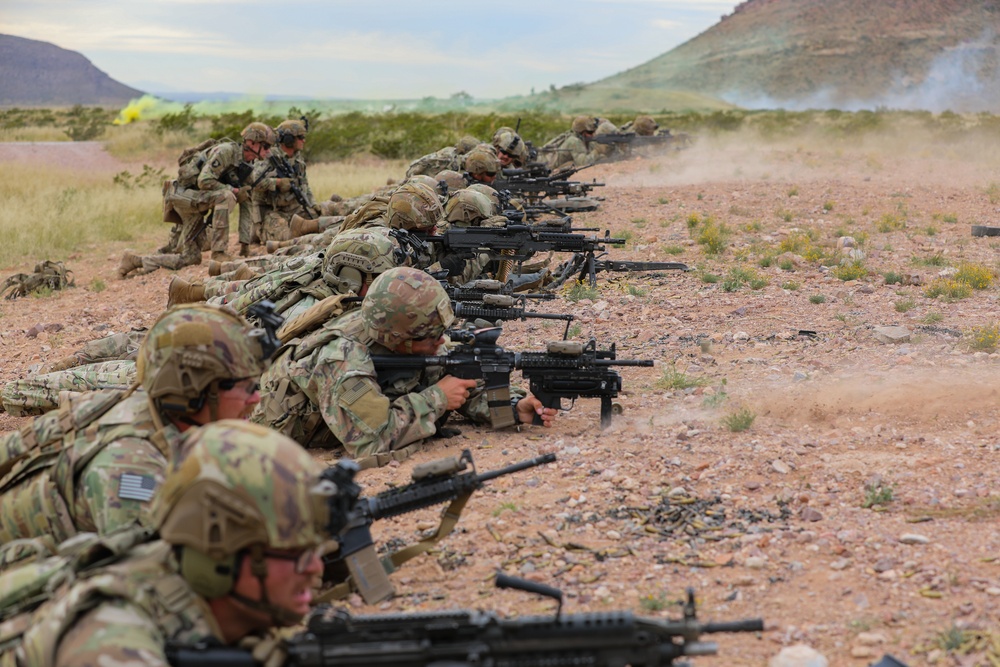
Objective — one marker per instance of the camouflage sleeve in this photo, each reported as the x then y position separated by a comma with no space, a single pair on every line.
113,633
581,156
476,408
116,487
264,179
219,160
356,411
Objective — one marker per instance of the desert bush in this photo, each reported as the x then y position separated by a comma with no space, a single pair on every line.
851,271
739,276
947,288
975,276
890,222
984,338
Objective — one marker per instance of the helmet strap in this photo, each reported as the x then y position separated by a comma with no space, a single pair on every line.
258,568
212,397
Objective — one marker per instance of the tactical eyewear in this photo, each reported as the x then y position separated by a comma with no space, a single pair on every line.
231,384
303,557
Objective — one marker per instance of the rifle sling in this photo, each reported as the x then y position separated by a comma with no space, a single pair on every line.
449,518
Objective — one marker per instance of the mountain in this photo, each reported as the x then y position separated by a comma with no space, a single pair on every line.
847,54
34,73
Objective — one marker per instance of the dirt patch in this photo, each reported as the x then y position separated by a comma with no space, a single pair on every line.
837,413
77,155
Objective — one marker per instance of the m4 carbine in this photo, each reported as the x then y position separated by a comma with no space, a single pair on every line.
355,565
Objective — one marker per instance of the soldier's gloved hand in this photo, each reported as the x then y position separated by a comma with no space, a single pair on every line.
243,195
269,650
282,184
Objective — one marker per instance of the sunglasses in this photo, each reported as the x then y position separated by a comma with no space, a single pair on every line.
231,384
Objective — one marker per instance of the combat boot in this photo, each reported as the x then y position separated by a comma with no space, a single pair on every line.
244,250
529,281
272,246
244,272
181,291
130,262
220,256
301,226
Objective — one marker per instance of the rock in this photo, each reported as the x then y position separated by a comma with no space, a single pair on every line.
810,514
913,538
780,466
892,335
741,337
840,564
871,638
755,563
799,655
883,565
862,652
752,485
678,492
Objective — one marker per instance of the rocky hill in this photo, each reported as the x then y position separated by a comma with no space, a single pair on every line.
909,54
34,73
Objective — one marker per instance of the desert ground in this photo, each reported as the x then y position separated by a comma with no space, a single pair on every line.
857,514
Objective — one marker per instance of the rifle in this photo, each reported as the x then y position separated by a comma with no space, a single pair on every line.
460,637
234,178
521,242
285,170
502,307
478,290
583,265
355,564
532,186
565,370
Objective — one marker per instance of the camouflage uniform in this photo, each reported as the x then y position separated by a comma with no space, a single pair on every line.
572,148
93,464
40,393
205,184
95,479
104,363
322,389
273,206
467,208
125,612
605,151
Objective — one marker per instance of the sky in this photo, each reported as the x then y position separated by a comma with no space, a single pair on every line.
374,49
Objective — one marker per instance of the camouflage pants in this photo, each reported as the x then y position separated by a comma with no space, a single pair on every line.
191,205
41,393
275,225
115,347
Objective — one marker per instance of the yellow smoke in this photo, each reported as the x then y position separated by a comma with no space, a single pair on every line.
135,110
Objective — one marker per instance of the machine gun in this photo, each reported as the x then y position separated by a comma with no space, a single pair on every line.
566,370
555,184
478,290
356,565
504,308
518,242
598,639
583,266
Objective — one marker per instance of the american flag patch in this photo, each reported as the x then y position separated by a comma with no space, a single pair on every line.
136,487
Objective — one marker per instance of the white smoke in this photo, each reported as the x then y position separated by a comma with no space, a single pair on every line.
965,78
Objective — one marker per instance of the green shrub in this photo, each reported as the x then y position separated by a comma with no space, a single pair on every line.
739,421
851,271
675,379
790,285
580,290
892,278
949,289
890,223
975,276
984,338
739,276
817,298
904,305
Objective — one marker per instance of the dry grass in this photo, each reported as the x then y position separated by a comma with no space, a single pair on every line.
50,212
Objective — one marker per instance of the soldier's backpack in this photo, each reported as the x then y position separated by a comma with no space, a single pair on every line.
47,275
31,573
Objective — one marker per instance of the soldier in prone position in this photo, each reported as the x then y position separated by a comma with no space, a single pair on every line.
323,390
94,464
242,523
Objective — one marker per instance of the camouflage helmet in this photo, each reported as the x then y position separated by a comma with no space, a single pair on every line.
454,180
296,128
482,161
191,346
238,487
500,130
644,125
358,255
405,304
490,193
259,132
414,206
466,144
583,124
468,207
510,143
423,179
